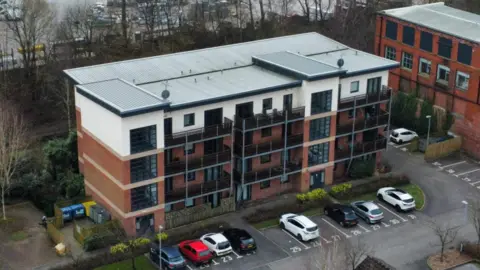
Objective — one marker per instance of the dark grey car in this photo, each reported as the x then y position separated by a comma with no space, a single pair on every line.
368,211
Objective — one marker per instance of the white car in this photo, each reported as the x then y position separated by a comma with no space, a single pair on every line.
401,135
217,243
300,226
401,200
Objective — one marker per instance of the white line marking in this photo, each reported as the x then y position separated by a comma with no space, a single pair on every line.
238,256
436,164
346,235
467,179
401,145
453,164
391,143
474,183
404,149
294,238
392,212
450,171
190,268
469,172
215,263
326,240
365,229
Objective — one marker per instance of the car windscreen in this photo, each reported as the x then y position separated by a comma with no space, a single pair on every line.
177,259
204,253
223,245
247,241
350,215
376,212
312,229
407,200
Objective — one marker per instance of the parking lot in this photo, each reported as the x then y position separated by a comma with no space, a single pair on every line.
460,168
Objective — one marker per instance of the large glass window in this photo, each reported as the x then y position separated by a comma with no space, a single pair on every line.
374,85
144,197
189,119
391,31
321,102
464,54
408,35
443,74
445,47
426,41
354,86
390,53
425,66
212,173
143,168
462,80
318,154
143,139
407,60
319,128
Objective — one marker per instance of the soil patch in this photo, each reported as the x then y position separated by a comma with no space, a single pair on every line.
450,259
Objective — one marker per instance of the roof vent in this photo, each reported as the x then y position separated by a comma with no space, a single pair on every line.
165,94
235,63
356,52
208,77
133,81
195,80
181,72
340,63
190,71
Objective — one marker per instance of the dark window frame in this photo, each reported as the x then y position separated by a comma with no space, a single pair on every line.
408,36
445,46
407,62
391,30
189,151
322,154
464,53
144,197
263,161
265,184
143,139
428,64
267,104
320,128
321,102
266,132
190,175
391,53
186,121
357,83
143,168
426,41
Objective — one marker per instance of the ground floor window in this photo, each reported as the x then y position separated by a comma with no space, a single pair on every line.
265,184
144,197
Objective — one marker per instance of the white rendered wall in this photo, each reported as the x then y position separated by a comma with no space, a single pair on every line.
345,93
309,88
142,120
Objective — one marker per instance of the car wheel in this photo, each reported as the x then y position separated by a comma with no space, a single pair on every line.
380,197
282,226
400,141
299,237
397,207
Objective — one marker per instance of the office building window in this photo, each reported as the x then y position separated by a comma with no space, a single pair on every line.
144,197
189,149
408,35
354,86
407,60
445,47
265,158
321,102
425,66
374,85
267,104
391,31
426,41
189,119
189,177
265,184
462,80
318,154
143,168
390,53
443,74
266,132
464,54
143,139
319,128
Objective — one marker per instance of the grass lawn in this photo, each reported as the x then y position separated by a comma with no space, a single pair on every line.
274,222
141,262
19,236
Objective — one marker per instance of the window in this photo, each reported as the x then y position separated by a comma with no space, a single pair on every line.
189,119
391,31
426,41
143,139
266,132
143,168
443,74
464,54
319,128
354,86
374,85
212,173
189,176
144,197
407,60
321,102
265,184
425,66
462,80
318,154
265,158
445,47
189,202
350,113
408,35
168,208
267,104
390,53
189,148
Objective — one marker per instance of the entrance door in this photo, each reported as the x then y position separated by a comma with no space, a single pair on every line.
144,224
245,193
317,180
167,125
213,117
287,102
214,199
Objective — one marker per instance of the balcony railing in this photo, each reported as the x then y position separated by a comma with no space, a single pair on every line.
361,124
361,149
380,95
252,177
255,149
200,134
199,162
222,183
276,117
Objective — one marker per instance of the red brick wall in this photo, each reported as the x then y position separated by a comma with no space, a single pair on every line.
275,188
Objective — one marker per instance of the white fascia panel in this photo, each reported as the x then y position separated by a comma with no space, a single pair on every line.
320,86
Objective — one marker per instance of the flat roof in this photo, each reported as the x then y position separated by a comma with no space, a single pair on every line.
441,18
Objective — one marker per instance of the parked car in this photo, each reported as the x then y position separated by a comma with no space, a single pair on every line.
369,211
401,135
300,226
195,251
171,258
240,240
401,200
217,243
343,214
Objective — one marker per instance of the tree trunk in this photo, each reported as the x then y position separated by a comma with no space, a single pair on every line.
262,17
133,263
4,212
441,253
250,7
124,21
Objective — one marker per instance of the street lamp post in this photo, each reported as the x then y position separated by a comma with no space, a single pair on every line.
429,117
465,203
160,247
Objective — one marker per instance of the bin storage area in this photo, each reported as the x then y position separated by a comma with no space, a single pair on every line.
78,210
87,206
98,214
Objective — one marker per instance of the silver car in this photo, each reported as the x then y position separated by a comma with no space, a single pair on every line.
369,211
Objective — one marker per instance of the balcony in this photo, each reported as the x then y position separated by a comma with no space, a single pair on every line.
263,120
222,183
362,124
361,149
253,177
199,134
198,163
360,100
255,149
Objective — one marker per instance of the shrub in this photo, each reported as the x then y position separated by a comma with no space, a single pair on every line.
341,188
317,194
362,168
371,186
99,240
163,236
301,197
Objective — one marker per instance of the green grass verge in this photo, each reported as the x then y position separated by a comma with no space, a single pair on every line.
274,222
141,262
19,236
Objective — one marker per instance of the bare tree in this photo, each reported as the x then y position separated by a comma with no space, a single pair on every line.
446,234
329,257
355,253
12,141
474,213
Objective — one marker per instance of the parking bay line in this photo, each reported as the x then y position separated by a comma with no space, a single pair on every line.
458,174
453,164
305,246
404,220
238,256
365,229
189,268
474,183
346,235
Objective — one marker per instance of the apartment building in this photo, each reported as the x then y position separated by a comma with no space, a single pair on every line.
439,50
174,138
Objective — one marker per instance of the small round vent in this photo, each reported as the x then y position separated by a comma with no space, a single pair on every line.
165,94
340,63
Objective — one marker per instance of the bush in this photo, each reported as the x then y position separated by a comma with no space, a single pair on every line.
314,195
341,188
301,197
163,236
362,168
371,186
100,240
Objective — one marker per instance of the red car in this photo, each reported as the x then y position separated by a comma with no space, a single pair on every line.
196,251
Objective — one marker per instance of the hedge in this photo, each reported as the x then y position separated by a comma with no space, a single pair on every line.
371,186
55,234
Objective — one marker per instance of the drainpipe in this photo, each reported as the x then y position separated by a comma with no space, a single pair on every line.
285,147
389,116
379,46
353,132
186,165
232,161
